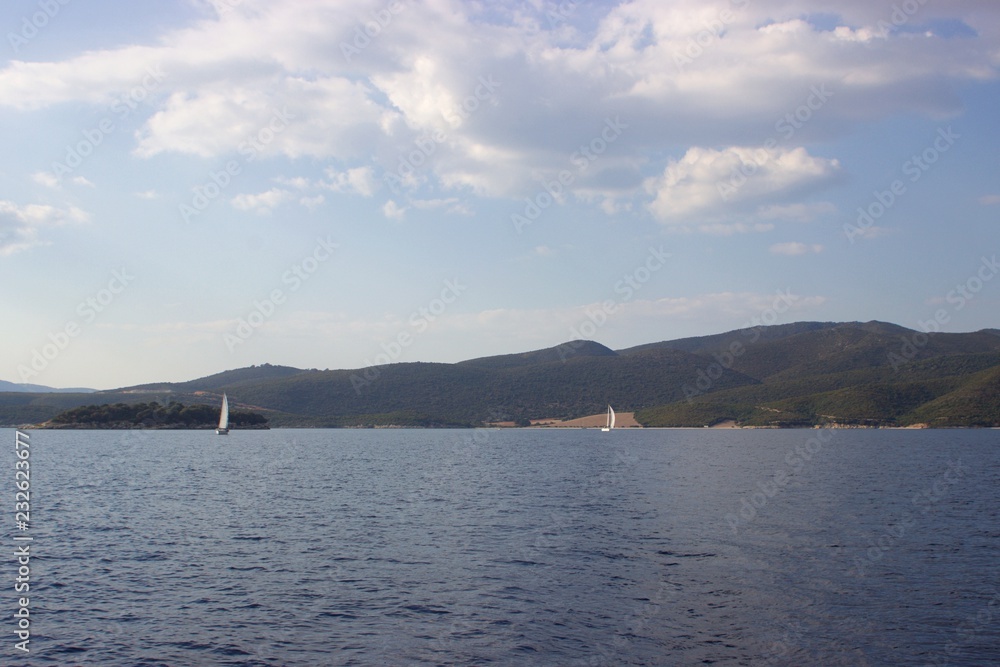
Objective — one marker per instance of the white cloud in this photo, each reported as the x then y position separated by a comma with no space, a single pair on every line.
148,194
297,182
20,226
549,89
359,180
989,200
49,180
451,205
312,203
393,211
261,203
799,212
46,179
715,185
498,330
728,229
793,248
867,233
166,335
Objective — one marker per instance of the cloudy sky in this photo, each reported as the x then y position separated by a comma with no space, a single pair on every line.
192,186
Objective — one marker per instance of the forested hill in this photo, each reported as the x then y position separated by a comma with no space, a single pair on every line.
801,374
152,415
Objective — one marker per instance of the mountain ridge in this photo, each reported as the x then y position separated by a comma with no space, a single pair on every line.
6,386
798,374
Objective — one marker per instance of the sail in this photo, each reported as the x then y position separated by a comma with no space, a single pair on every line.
224,415
611,417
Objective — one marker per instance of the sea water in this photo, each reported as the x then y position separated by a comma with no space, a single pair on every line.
508,547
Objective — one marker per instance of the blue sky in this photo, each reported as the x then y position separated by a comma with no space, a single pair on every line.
188,187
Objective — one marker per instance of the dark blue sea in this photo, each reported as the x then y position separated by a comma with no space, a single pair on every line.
508,547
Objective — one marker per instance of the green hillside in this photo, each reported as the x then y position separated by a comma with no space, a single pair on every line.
801,374
856,374
975,402
152,415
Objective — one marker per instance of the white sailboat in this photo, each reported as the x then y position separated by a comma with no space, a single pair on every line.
224,417
611,420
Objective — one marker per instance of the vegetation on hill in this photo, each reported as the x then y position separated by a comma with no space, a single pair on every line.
802,374
871,374
216,382
153,415
574,349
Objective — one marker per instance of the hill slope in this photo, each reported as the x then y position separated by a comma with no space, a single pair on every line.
806,373
855,373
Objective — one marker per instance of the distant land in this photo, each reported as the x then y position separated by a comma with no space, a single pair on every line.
41,389
805,374
151,415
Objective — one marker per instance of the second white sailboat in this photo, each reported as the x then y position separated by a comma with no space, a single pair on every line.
611,420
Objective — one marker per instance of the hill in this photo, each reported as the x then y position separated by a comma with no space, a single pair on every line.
572,349
801,374
873,374
40,389
152,415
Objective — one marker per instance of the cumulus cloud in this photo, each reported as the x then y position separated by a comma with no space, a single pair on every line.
711,185
393,211
46,179
359,180
261,203
500,97
450,205
798,212
312,203
21,226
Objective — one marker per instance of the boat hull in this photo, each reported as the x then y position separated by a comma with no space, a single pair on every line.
222,431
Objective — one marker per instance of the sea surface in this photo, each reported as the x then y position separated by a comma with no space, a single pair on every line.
508,547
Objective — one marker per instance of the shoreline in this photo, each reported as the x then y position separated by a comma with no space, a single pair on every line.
37,427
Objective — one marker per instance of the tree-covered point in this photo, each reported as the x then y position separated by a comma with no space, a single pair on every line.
154,415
